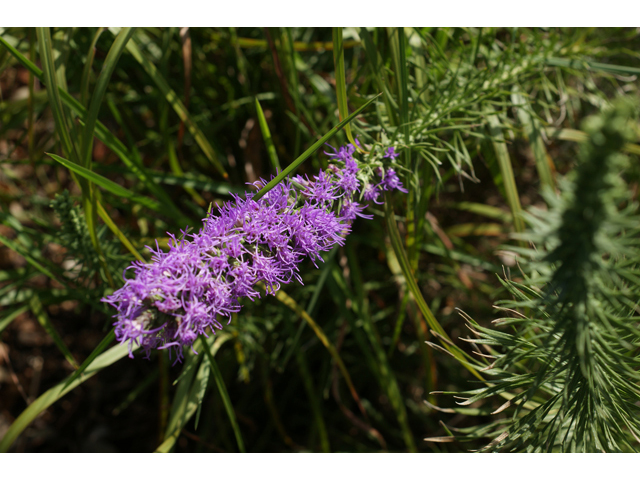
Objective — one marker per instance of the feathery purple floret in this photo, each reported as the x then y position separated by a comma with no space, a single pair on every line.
187,291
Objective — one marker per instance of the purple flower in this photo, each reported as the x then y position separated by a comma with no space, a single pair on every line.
391,153
372,192
189,290
392,182
351,210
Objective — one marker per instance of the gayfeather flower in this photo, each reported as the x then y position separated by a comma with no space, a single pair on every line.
392,182
391,153
189,290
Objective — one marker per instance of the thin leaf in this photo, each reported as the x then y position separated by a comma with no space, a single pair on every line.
341,85
266,135
43,319
504,162
104,343
532,131
45,400
50,79
108,185
11,316
298,161
86,71
217,375
118,233
396,243
98,94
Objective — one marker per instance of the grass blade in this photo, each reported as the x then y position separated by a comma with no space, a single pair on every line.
341,84
579,137
291,303
86,71
298,161
266,135
532,131
30,259
217,375
98,94
117,232
43,319
585,64
52,395
396,243
377,70
107,184
50,79
504,162
104,343
11,316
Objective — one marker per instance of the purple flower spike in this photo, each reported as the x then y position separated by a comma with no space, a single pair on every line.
189,290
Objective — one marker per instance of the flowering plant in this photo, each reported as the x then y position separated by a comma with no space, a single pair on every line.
182,293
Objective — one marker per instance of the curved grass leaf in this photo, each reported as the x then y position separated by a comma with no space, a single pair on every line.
532,131
108,185
50,79
88,64
117,232
52,395
266,135
104,343
307,153
396,243
98,94
341,85
30,259
504,162
43,319
301,312
11,316
225,399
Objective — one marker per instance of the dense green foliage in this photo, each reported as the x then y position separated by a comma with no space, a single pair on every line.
109,138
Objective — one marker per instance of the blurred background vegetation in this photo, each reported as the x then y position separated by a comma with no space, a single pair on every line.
156,124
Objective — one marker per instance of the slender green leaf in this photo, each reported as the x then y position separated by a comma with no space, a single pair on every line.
118,233
396,243
532,131
217,375
108,185
341,85
585,64
50,79
52,395
504,162
266,135
36,262
88,64
298,161
43,319
98,94
104,343
11,316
